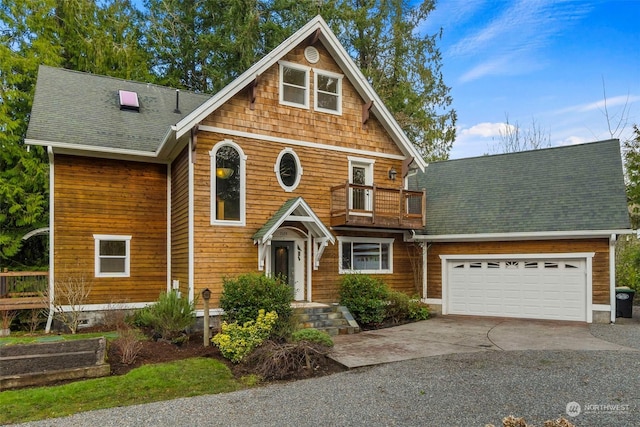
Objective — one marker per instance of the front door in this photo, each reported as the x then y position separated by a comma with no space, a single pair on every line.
287,262
361,174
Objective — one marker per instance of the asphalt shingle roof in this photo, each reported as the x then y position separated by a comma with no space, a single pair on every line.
72,107
571,188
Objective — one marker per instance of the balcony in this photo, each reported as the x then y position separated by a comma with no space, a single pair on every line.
377,207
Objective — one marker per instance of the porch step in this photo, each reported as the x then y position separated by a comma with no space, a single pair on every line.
332,319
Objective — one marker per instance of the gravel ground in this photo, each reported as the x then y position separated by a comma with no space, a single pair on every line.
470,389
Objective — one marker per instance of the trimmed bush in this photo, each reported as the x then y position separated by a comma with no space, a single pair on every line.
365,297
243,297
312,335
235,341
169,317
418,310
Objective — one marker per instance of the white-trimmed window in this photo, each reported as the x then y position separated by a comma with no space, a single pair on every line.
328,92
228,184
112,255
288,169
365,255
294,84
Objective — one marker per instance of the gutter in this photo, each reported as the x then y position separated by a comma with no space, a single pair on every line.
534,235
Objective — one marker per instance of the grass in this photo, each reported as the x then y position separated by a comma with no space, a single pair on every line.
150,383
24,338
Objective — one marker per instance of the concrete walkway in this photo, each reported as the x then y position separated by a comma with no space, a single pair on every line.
464,334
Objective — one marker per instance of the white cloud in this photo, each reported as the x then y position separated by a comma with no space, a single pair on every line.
573,140
485,130
515,32
616,101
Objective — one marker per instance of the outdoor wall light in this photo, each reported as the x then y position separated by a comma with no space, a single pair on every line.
206,294
392,174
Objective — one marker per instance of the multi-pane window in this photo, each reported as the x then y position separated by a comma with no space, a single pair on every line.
227,184
328,92
294,85
112,255
366,255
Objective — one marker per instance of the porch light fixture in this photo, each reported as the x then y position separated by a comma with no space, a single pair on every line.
224,173
392,174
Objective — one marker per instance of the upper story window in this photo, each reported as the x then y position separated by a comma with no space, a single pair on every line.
328,92
365,255
228,187
294,85
288,169
112,255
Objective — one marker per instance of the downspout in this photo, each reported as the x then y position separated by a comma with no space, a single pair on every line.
51,240
425,269
190,221
612,276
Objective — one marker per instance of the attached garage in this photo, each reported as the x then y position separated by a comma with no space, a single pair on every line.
527,286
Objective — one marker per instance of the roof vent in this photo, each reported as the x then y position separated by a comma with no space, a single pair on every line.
312,54
128,100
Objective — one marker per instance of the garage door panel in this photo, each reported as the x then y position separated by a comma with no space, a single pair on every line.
546,289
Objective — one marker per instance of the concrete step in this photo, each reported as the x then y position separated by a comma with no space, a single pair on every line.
333,319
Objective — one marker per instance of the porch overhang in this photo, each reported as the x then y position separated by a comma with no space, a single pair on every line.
294,210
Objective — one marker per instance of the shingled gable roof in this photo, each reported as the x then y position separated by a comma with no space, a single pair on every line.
571,190
81,111
344,61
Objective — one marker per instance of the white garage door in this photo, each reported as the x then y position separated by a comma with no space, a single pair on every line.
537,289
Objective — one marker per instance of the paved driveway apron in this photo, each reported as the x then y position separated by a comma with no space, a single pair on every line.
464,334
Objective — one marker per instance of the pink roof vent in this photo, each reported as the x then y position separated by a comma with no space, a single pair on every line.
129,100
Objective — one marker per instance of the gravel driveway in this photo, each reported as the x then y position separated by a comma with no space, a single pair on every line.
467,389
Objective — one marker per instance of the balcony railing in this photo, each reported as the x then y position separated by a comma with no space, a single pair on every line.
377,207
21,290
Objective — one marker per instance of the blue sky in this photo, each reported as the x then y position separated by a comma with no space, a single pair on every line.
539,60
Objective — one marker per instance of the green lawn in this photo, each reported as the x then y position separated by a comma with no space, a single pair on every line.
190,377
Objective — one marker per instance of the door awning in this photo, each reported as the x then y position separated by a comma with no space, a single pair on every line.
294,210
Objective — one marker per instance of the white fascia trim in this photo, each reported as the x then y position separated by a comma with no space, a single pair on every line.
601,307
583,255
51,237
191,226
74,148
298,143
434,301
535,235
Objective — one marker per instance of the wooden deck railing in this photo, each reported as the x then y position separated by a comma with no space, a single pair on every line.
21,290
378,207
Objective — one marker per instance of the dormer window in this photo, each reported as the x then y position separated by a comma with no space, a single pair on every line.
328,92
294,85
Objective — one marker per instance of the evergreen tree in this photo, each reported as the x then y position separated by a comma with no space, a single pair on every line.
75,34
632,167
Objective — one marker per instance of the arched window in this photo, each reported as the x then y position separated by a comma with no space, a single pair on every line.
288,169
227,184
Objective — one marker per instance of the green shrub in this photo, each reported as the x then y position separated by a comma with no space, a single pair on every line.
628,262
313,336
235,341
365,297
243,297
418,310
169,316
397,309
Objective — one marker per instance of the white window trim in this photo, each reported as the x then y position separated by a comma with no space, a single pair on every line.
276,169
338,94
243,184
127,258
298,67
347,239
